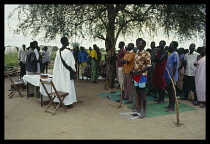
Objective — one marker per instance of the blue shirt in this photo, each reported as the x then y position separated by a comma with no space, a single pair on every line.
182,57
82,56
173,57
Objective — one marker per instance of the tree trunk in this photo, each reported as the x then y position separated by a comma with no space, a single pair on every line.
110,46
110,61
111,72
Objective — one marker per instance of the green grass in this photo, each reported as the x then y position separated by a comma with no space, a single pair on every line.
11,59
52,56
50,67
103,54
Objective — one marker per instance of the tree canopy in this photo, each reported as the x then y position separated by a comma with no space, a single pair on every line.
108,21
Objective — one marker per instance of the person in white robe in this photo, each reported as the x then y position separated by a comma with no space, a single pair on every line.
200,79
37,56
61,75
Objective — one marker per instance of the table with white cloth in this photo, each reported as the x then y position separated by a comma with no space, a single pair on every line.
34,86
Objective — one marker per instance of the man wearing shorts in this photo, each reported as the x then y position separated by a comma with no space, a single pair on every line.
142,62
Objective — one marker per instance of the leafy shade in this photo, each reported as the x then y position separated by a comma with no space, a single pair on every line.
108,21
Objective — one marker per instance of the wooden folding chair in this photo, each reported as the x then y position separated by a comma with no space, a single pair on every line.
60,95
17,85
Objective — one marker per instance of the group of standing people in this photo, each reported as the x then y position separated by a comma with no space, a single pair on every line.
153,69
88,59
195,75
31,60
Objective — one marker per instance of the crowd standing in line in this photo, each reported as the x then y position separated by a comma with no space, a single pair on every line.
146,70
182,67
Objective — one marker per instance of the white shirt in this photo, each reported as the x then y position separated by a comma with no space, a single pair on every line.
36,53
22,55
190,60
37,57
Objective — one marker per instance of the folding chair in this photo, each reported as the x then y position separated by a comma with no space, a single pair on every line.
17,85
60,95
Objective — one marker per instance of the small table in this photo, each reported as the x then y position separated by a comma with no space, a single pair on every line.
33,82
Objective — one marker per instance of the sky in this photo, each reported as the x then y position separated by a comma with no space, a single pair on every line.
18,40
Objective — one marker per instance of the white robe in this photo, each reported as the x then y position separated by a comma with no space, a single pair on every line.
200,79
61,76
37,57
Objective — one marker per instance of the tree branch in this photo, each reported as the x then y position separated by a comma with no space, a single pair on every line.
134,19
103,21
147,11
121,27
100,37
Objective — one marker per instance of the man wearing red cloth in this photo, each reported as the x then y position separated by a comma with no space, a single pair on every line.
142,62
120,55
159,81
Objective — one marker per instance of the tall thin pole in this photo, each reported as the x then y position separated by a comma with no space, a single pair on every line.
177,107
77,71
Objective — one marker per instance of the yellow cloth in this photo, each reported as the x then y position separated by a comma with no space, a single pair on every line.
88,51
169,53
82,67
94,54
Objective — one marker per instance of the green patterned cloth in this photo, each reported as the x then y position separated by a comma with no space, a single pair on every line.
94,70
114,96
153,109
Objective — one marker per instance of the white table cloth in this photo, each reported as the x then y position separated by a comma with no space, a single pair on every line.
35,80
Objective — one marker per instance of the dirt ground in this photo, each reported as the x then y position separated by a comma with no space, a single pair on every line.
93,118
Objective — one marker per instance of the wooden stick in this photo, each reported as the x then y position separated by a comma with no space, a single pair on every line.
106,86
120,97
77,72
108,70
177,108
18,76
